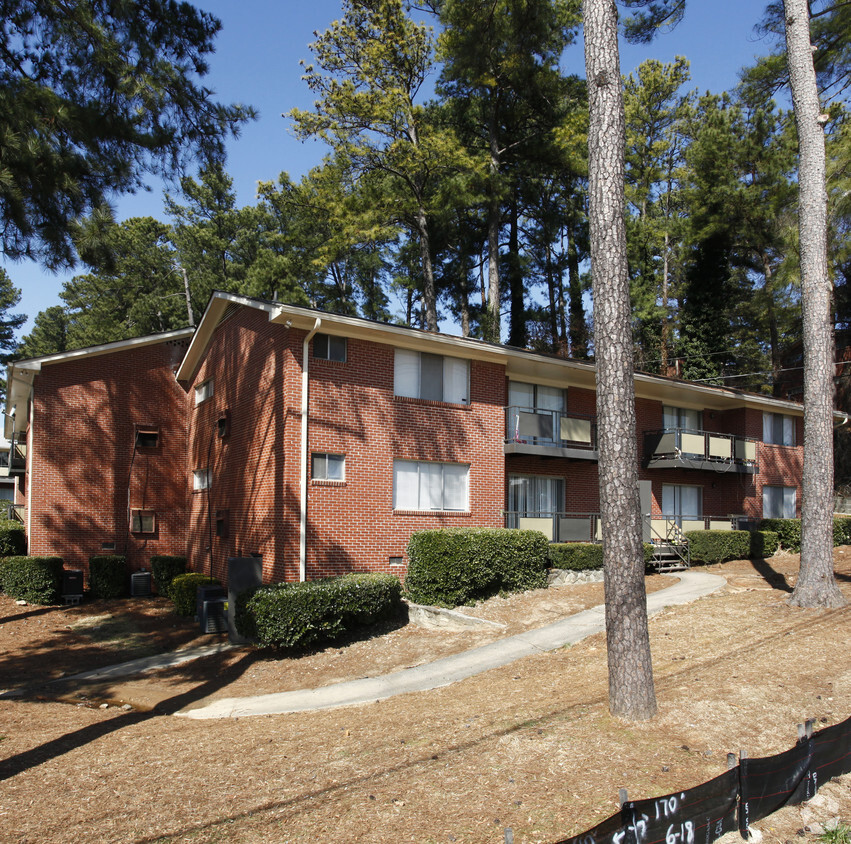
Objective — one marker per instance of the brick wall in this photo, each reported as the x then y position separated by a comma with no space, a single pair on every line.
82,461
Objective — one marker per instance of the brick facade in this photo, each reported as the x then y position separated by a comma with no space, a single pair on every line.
247,435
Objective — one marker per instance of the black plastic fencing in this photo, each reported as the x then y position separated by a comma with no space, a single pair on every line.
744,794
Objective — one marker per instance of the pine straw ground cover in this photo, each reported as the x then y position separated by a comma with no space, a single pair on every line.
529,746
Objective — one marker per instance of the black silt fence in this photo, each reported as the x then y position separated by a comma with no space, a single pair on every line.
744,794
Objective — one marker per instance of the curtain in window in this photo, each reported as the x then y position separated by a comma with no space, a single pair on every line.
533,495
778,502
680,417
681,501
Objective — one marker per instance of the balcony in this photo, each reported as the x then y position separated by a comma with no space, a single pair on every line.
14,461
587,527
550,433
683,448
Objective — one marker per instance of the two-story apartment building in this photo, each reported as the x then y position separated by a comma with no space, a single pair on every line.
321,442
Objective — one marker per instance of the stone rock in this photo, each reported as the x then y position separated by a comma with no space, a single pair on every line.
104,706
567,577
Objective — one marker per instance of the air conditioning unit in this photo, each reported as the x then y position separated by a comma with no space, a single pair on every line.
72,586
140,584
214,616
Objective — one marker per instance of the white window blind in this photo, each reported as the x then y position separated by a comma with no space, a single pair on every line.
420,375
423,485
779,502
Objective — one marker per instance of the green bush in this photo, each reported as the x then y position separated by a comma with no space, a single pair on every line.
164,568
716,546
184,591
37,580
842,530
108,577
788,532
764,543
576,556
13,540
295,615
454,566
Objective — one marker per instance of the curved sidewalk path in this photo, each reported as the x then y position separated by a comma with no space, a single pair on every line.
692,585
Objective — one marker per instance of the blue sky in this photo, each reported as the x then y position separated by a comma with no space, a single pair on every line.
257,62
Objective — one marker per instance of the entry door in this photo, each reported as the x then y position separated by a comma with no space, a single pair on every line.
682,503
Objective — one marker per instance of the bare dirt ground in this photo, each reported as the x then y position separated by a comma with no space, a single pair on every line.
530,746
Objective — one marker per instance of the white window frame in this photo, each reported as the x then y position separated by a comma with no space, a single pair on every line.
137,515
433,480
407,376
330,347
322,461
200,479
769,422
772,508
204,391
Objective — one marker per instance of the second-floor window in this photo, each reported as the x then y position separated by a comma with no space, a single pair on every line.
778,429
326,347
328,467
420,375
204,391
674,418
200,479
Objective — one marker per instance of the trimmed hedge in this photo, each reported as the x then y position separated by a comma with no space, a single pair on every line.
296,615
718,546
184,590
788,532
108,576
36,580
454,566
13,539
842,530
164,568
582,556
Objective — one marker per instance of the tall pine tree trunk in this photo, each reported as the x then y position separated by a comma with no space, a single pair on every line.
631,690
429,293
517,334
492,328
816,586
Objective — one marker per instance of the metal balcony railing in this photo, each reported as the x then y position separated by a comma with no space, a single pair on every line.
550,428
690,448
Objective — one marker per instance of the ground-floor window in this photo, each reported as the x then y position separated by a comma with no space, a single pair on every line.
778,502
682,503
532,495
424,485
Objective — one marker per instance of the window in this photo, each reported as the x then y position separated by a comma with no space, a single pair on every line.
677,418
682,503
328,467
778,502
147,437
326,347
143,521
778,429
204,391
534,496
223,425
201,479
420,485
420,375
222,520
534,412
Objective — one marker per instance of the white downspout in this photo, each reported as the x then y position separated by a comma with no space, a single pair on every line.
28,469
302,528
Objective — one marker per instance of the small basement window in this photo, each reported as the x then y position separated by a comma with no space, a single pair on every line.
147,437
143,521
326,347
204,391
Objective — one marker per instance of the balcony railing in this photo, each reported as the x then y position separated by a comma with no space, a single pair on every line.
16,512
587,527
685,448
536,431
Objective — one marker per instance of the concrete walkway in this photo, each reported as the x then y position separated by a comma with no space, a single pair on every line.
691,586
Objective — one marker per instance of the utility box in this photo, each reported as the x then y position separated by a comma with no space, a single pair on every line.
207,593
140,584
213,616
243,573
72,586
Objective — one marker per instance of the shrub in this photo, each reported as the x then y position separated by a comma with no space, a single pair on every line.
37,580
453,566
788,532
108,576
576,556
716,546
164,568
842,530
13,540
295,615
184,590
764,543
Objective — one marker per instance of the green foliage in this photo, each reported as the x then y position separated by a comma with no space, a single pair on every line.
575,556
164,568
37,580
93,96
49,334
13,539
840,834
788,532
296,615
764,543
454,566
841,531
184,591
108,576
716,546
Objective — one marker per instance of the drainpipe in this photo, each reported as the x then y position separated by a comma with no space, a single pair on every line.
302,534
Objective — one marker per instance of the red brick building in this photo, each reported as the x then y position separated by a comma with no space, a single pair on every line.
197,442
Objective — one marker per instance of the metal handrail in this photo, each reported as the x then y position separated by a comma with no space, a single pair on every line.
537,426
